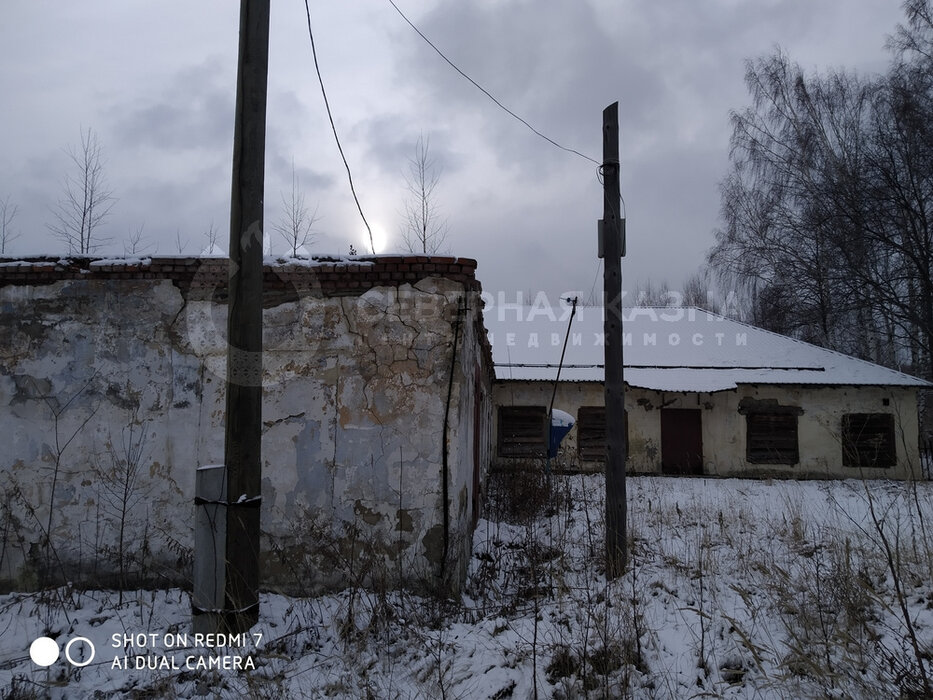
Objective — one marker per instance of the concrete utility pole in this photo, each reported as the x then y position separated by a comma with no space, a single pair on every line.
612,232
227,595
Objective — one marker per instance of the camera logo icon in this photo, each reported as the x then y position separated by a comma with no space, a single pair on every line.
45,651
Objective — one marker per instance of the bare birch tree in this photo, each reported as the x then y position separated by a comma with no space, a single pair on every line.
425,230
211,236
136,243
296,220
87,200
8,212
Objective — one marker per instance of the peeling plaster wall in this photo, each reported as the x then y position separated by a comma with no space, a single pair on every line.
355,389
724,427
471,401
363,438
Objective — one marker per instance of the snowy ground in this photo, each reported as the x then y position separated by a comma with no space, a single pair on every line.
737,589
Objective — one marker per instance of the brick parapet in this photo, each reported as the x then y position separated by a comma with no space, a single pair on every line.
283,277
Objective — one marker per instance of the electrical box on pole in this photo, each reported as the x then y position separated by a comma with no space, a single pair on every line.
612,227
601,233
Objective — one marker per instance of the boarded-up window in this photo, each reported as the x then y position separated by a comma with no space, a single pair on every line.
771,438
522,431
868,440
591,433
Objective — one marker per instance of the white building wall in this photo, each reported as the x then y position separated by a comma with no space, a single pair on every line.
724,427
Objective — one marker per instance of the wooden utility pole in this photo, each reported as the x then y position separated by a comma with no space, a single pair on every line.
236,586
242,438
612,246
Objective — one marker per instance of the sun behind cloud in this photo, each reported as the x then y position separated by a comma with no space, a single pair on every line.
380,243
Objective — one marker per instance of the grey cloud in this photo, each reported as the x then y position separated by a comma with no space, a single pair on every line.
672,65
391,141
386,138
555,65
286,123
672,200
165,203
279,174
194,112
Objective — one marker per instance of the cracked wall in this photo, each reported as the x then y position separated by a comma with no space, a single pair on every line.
354,404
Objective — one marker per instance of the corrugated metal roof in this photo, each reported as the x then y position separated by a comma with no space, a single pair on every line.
668,349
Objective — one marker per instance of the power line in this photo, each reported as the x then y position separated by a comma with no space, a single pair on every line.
484,90
334,128
599,177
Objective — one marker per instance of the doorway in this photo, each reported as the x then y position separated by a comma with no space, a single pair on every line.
681,441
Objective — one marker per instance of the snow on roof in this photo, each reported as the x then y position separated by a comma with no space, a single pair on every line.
127,260
667,349
315,260
561,418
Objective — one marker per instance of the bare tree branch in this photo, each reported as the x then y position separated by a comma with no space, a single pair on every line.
916,38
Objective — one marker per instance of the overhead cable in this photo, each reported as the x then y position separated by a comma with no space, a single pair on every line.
334,128
485,91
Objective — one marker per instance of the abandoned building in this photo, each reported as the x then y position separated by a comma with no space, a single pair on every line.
704,395
376,417
384,403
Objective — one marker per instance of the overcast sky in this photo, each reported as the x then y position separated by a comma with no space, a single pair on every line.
156,82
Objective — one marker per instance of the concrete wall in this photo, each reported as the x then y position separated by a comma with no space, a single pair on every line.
724,427
112,388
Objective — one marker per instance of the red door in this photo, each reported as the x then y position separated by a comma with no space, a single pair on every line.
681,441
